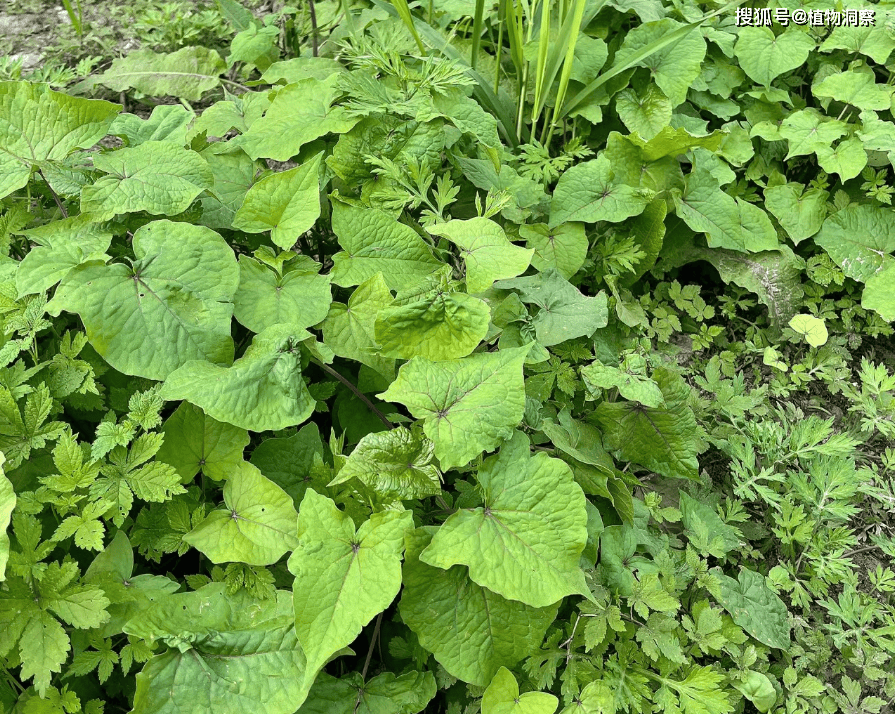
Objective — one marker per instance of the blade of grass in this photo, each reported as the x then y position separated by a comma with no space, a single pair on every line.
650,49
403,10
568,63
478,23
541,81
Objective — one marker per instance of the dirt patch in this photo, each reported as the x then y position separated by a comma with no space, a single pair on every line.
25,35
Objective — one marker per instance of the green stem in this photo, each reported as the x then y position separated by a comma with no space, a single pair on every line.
359,394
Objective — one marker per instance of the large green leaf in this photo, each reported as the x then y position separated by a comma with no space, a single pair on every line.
879,292
171,305
7,504
754,607
486,251
589,192
563,313
856,88
187,73
61,245
674,67
468,405
299,113
38,125
262,391
168,122
158,177
433,322
874,41
294,463
859,239
764,56
809,131
502,697
234,175
728,222
525,542
563,247
471,631
344,576
661,439
349,328
297,298
286,203
630,385
195,442
375,242
383,694
257,524
396,464
226,653
801,212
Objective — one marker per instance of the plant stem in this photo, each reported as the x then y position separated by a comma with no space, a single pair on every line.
369,657
55,195
313,14
359,394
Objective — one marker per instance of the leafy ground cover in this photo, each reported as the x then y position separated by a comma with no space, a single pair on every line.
455,357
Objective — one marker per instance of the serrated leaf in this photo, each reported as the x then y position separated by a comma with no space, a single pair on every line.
525,542
257,525
262,391
43,647
754,607
502,697
171,305
286,203
661,439
300,113
588,192
468,405
227,653
705,529
343,577
297,299
188,73
395,464
764,56
470,630
38,125
195,442
598,376
157,177
375,242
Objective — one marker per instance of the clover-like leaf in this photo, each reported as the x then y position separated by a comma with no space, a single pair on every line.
525,542
502,697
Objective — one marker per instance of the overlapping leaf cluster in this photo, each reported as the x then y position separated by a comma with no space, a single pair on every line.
351,394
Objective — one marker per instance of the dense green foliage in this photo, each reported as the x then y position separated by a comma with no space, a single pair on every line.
508,359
